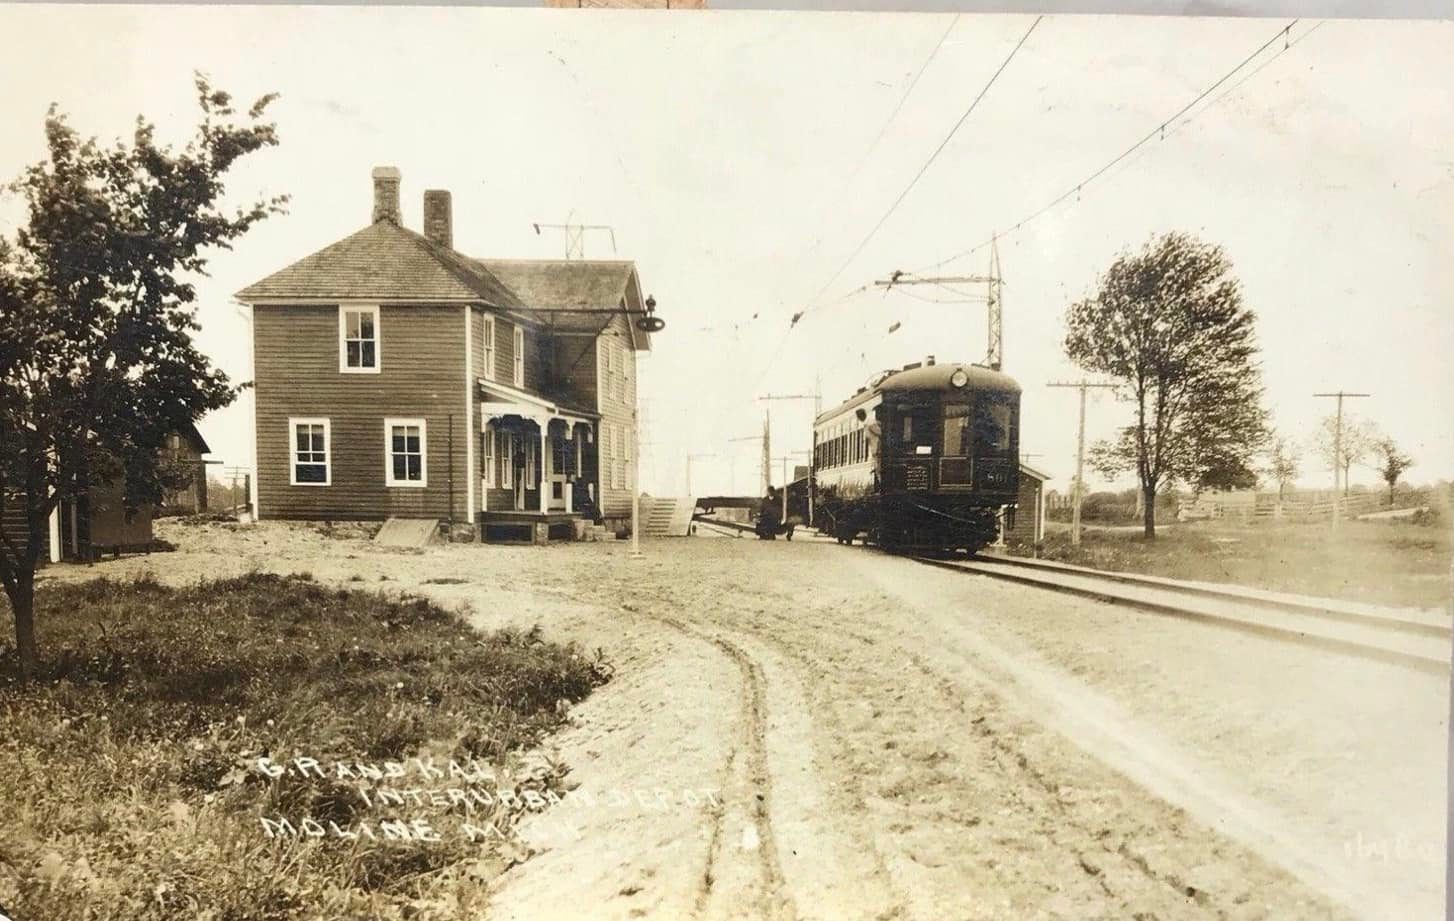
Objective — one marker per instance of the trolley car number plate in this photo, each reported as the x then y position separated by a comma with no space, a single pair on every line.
916,476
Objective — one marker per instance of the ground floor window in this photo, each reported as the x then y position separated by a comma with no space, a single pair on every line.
405,452
309,439
506,453
487,456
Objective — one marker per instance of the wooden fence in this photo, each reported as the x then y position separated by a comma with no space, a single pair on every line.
1257,506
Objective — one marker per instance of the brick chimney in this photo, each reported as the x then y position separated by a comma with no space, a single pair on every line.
386,195
438,220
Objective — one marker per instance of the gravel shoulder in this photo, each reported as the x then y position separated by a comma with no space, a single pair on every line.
801,730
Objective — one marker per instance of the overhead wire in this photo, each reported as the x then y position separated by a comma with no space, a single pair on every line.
941,300
863,161
882,133
1129,162
969,110
929,162
1159,130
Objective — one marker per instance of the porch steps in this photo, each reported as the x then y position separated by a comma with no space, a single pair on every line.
407,532
666,516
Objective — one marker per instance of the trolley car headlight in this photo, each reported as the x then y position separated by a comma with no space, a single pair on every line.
959,378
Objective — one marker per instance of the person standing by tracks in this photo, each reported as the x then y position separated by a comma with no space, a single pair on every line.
767,516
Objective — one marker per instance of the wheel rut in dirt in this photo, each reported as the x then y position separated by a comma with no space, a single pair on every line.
746,780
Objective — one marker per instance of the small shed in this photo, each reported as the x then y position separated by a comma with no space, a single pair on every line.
99,522
1024,522
184,454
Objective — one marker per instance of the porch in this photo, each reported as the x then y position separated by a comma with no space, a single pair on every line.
537,466
526,527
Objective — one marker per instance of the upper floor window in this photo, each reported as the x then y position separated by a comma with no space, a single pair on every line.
519,357
489,334
308,446
405,452
358,339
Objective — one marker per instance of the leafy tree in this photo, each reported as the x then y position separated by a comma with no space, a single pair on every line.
1391,464
1283,461
1168,323
97,362
1360,441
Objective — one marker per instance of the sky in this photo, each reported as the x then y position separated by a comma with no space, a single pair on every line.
742,158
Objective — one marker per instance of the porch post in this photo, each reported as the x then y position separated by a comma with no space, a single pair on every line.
540,466
55,534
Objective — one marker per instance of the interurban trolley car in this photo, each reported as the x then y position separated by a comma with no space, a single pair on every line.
923,458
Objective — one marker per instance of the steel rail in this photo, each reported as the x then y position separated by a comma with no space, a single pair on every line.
1049,582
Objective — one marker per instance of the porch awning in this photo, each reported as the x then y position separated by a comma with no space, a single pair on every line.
503,400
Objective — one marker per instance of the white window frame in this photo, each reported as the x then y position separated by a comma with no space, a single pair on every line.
343,311
507,459
626,440
531,450
487,464
488,337
293,423
519,357
389,479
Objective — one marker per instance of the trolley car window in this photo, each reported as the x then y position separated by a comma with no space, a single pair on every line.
958,436
992,425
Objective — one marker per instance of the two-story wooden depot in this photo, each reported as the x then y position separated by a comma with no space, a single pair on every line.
397,377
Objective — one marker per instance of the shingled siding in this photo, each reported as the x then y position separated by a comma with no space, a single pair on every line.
422,376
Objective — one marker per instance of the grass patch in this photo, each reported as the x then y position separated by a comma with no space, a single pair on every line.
131,786
1392,562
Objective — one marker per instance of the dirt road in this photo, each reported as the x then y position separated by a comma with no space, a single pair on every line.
804,731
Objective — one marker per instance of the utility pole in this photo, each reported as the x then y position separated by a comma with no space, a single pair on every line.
994,283
689,470
757,438
575,242
785,458
1083,386
817,399
1338,451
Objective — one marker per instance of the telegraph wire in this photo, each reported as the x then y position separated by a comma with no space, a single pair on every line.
1158,131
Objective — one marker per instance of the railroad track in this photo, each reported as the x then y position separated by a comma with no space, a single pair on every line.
1414,639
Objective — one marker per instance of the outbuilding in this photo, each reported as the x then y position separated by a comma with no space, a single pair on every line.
1024,522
